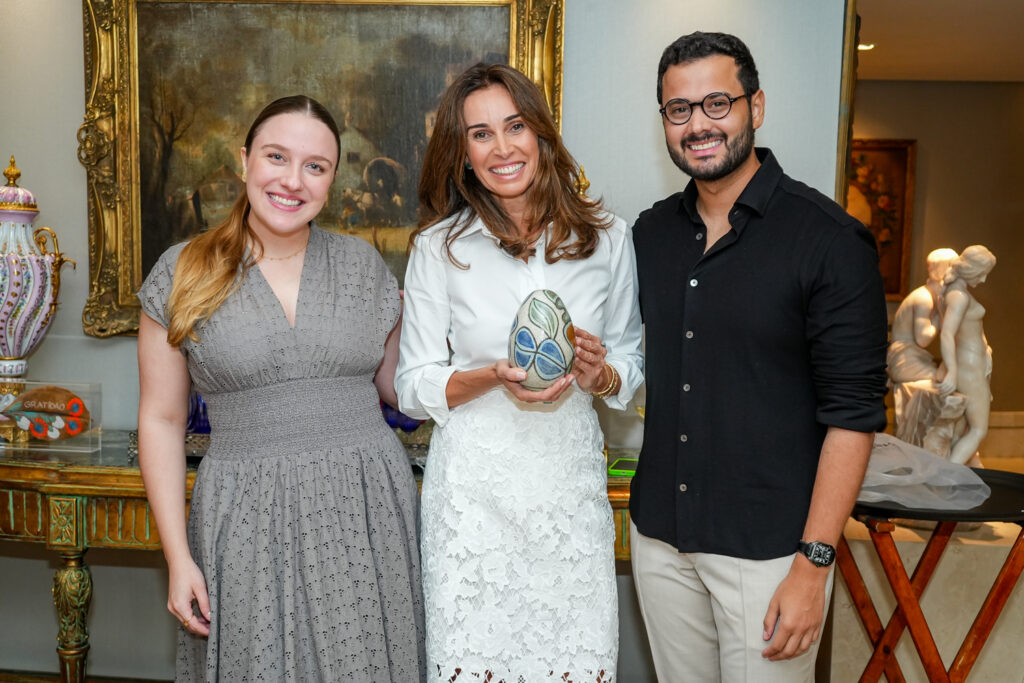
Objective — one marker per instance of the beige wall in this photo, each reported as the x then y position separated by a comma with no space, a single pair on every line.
610,122
970,146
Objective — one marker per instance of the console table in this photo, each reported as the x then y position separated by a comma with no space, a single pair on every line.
75,501
72,502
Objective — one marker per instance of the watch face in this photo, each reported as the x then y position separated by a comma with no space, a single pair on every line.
821,554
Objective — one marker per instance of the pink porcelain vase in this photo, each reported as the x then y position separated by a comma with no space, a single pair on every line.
29,276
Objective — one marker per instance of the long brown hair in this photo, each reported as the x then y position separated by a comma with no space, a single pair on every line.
212,265
447,188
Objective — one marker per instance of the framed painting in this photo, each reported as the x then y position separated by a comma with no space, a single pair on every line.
171,86
880,194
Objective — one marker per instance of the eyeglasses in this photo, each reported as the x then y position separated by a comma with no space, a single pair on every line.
716,106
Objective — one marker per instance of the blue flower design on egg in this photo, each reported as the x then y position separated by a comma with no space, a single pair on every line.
541,339
550,363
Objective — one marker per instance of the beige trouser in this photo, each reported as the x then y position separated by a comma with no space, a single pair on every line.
705,613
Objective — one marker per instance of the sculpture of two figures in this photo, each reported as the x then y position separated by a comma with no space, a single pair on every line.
944,407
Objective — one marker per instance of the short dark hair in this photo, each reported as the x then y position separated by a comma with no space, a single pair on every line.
698,45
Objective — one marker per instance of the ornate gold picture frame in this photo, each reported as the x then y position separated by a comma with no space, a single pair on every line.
172,85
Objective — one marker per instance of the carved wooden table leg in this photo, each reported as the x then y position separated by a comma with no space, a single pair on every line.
906,597
868,615
1011,570
886,643
72,592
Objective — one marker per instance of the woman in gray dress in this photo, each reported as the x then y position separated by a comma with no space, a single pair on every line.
299,560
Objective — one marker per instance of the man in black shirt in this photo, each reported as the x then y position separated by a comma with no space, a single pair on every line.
765,339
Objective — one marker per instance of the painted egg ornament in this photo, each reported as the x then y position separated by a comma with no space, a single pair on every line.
542,341
49,413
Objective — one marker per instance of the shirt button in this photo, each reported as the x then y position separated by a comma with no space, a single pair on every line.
682,487
683,437
700,235
686,387
693,282
689,334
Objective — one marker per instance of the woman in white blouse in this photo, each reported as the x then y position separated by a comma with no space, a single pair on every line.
517,532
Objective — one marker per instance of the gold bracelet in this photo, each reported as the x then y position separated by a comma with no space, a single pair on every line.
611,381
612,384
616,383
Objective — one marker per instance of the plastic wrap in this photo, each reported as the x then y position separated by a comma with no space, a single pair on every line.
915,478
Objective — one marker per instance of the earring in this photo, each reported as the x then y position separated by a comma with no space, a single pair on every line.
469,166
243,175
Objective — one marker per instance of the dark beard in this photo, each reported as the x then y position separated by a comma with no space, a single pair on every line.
737,151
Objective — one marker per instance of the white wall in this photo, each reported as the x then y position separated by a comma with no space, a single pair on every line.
610,123
40,112
610,115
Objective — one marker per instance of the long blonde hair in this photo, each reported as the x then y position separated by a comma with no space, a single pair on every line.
212,265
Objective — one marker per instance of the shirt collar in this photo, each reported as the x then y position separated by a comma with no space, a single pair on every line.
477,226
755,195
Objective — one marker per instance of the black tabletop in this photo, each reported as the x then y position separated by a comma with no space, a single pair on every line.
1006,504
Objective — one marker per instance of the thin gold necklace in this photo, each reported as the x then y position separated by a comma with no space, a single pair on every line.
295,253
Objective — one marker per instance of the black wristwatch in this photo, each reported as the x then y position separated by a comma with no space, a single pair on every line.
821,554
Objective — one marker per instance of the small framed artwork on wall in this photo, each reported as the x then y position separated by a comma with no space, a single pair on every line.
881,195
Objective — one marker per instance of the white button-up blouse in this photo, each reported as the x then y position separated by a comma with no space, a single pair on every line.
471,310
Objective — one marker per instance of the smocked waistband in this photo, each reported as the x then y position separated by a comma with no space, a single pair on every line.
294,416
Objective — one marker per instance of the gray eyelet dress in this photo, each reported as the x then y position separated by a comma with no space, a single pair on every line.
304,511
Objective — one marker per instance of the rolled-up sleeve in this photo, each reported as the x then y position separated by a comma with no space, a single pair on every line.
846,327
622,333
423,362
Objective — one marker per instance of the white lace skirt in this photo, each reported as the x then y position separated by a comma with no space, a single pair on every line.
518,544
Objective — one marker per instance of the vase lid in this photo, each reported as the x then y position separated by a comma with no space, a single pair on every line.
14,198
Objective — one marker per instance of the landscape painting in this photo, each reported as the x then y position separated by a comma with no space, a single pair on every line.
205,69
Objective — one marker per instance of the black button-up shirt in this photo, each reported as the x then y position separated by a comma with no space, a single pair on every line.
753,350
